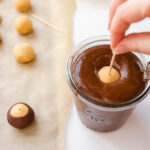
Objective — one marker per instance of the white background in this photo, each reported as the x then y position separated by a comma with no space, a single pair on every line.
91,19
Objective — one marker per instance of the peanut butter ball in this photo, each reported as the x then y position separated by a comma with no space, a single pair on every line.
23,25
20,115
23,52
105,77
22,5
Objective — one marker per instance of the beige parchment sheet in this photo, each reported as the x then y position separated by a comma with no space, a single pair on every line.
40,83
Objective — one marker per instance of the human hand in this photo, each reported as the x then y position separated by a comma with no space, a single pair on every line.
122,14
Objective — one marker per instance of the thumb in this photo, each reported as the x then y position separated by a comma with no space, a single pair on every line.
137,42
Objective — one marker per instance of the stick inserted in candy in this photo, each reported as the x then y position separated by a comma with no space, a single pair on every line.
112,62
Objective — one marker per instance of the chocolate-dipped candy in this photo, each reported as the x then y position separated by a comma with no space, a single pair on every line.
20,115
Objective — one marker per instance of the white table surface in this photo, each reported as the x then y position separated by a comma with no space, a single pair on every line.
90,19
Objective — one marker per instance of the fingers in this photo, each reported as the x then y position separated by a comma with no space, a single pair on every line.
113,7
137,42
127,13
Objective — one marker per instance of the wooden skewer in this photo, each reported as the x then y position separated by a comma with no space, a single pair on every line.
47,23
112,62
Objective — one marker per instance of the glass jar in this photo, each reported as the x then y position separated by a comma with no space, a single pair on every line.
101,116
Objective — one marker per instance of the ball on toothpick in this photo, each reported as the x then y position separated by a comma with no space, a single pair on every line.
105,77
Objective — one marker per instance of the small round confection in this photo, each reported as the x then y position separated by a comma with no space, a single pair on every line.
105,77
20,115
23,52
23,25
22,5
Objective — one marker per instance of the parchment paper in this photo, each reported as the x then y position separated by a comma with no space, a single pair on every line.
41,83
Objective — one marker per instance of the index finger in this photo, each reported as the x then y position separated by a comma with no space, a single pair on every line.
127,13
113,7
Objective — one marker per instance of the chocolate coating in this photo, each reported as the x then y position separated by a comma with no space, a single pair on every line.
21,122
129,86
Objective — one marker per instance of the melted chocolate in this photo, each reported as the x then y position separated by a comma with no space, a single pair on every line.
129,86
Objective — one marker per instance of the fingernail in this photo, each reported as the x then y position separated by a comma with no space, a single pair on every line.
121,49
114,52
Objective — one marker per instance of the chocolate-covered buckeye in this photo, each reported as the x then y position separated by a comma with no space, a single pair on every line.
20,115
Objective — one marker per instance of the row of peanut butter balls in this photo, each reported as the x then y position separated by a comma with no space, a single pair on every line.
23,52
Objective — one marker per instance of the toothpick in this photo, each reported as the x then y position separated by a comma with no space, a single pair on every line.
112,62
47,23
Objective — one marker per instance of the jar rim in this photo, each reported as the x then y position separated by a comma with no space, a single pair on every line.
74,87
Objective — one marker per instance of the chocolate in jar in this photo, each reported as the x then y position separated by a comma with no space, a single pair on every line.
129,86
